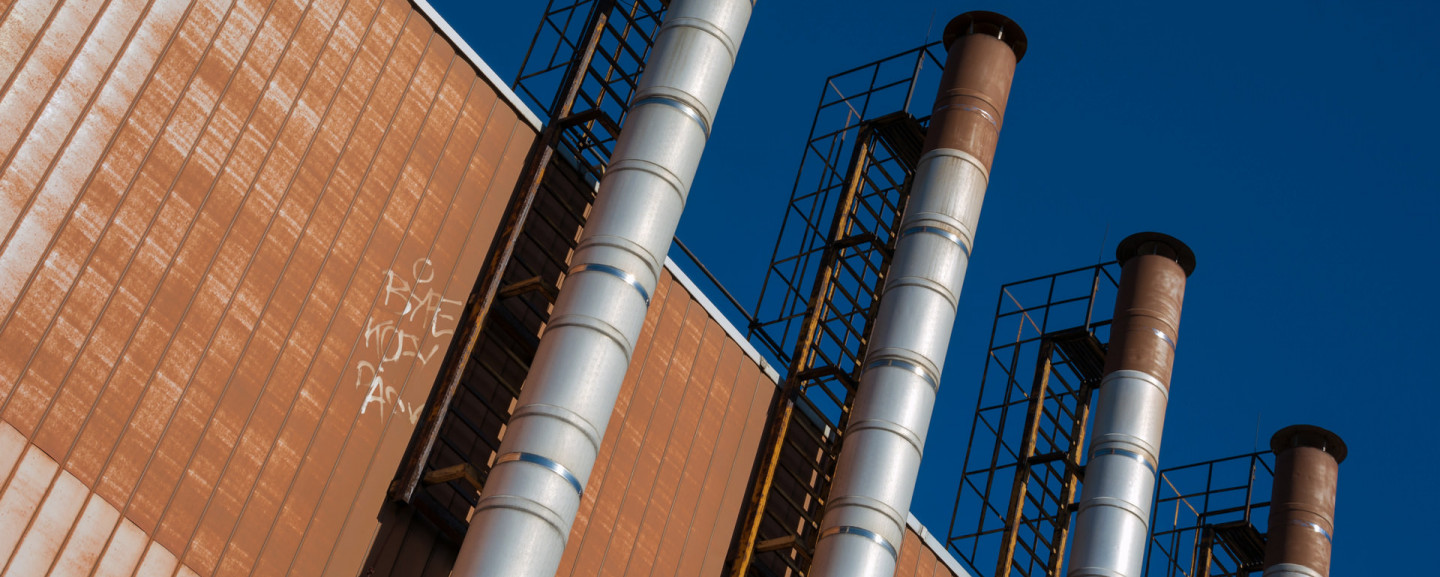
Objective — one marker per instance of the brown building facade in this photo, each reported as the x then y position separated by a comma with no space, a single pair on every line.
236,240
238,237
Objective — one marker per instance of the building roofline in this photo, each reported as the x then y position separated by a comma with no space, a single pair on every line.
935,546
485,71
720,317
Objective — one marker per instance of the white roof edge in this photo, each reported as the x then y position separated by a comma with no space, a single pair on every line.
485,70
935,546
719,317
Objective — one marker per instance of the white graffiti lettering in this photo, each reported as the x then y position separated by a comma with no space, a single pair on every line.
387,342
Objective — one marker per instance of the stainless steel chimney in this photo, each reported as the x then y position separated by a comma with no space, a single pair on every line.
1113,523
1302,502
864,520
524,514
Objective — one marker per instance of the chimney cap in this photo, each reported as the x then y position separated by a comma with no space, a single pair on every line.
1308,436
989,24
1156,243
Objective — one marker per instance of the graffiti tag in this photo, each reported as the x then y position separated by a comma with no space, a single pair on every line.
390,340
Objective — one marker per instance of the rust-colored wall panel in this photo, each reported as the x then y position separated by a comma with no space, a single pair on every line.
233,249
922,555
672,469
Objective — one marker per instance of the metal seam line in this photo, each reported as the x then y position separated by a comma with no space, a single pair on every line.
938,231
909,366
1124,453
980,111
548,464
610,270
678,105
1164,337
1316,528
862,532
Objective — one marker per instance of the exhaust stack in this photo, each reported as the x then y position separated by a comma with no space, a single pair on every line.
1302,502
1113,523
524,514
864,520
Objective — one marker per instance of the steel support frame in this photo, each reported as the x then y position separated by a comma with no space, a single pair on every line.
601,62
1198,506
1023,524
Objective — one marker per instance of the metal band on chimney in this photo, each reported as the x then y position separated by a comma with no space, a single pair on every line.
1130,454
935,230
684,107
861,532
1313,527
908,367
550,464
1165,337
630,279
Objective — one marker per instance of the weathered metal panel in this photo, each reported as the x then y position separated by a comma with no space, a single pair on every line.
671,471
235,238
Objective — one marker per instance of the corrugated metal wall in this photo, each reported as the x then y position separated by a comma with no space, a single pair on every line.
671,475
236,237
920,557
673,466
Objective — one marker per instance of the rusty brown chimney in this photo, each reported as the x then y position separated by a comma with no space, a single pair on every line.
1113,524
864,520
1302,502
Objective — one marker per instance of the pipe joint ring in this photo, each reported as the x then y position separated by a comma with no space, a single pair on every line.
1313,527
975,109
962,225
628,278
684,107
890,427
1095,572
942,233
527,506
563,415
909,367
926,283
957,154
863,533
871,503
1164,337
1134,510
704,26
1306,508
594,324
1290,570
1128,442
546,462
1134,375
1125,453
622,244
640,165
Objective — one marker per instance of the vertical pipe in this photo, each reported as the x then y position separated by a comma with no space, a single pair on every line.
1112,523
523,518
864,520
1302,502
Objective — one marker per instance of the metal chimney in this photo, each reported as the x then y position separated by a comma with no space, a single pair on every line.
1113,523
864,520
1302,502
524,514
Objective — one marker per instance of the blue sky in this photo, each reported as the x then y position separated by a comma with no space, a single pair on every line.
1292,145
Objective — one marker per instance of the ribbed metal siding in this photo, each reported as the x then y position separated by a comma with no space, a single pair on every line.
673,466
917,560
220,221
671,473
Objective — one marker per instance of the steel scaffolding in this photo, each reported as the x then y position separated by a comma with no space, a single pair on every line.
581,69
821,293
1022,467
